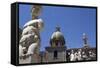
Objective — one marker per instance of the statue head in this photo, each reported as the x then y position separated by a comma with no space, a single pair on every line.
35,11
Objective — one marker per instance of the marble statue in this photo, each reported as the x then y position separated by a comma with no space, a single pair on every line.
72,56
85,38
29,44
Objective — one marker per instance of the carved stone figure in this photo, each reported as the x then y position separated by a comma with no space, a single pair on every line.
29,47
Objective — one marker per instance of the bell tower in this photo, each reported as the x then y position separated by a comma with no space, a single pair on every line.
57,49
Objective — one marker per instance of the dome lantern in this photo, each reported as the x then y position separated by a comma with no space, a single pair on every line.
57,28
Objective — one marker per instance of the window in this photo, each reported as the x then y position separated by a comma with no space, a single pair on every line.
55,54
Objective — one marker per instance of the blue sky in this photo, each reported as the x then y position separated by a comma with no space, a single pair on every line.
73,22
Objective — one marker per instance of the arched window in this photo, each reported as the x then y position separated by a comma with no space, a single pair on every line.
55,54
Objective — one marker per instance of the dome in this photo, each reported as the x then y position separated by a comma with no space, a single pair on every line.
57,35
57,38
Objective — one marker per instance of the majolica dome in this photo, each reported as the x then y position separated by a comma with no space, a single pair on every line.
57,38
